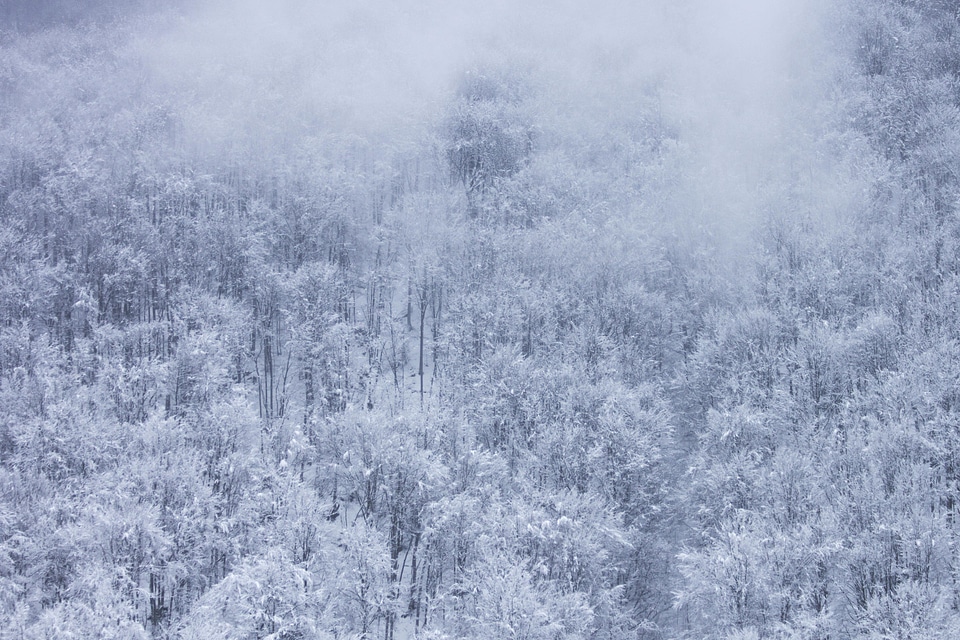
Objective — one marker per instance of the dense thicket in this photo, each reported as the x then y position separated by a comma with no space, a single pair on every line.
270,370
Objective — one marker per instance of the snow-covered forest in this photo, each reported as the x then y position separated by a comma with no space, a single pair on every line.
422,319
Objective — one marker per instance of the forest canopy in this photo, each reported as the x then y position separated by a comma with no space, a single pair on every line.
476,320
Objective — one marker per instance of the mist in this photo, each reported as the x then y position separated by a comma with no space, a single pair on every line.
732,80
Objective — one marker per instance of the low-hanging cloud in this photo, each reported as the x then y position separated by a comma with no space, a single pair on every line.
731,77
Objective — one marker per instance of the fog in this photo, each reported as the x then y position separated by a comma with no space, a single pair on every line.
722,67
732,83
